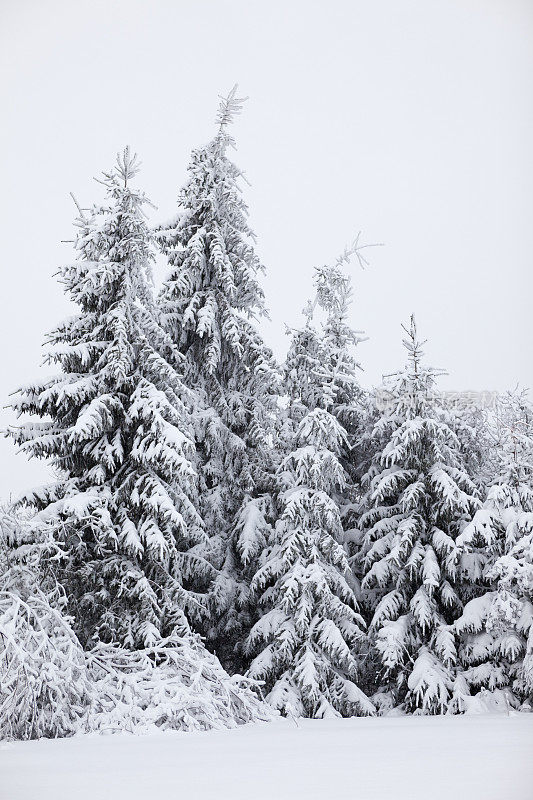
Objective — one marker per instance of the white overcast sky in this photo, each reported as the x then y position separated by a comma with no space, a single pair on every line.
411,120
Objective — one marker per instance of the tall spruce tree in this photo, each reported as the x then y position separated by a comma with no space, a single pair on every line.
121,517
495,631
418,498
306,643
209,302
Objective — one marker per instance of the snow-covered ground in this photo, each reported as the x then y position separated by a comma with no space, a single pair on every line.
457,758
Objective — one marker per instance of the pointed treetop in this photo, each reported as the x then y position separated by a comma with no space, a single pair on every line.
127,166
229,107
413,345
419,378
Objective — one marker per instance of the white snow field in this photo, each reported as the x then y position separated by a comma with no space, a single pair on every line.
486,757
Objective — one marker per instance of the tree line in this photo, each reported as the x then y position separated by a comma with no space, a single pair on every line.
274,527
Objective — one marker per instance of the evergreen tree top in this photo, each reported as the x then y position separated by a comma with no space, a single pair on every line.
333,287
212,289
229,107
320,366
515,430
127,166
411,390
113,236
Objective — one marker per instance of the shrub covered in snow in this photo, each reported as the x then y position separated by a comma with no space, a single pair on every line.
50,687
174,685
44,686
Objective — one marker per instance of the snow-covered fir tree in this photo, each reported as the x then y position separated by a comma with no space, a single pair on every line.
307,640
209,302
115,426
418,498
321,370
495,630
